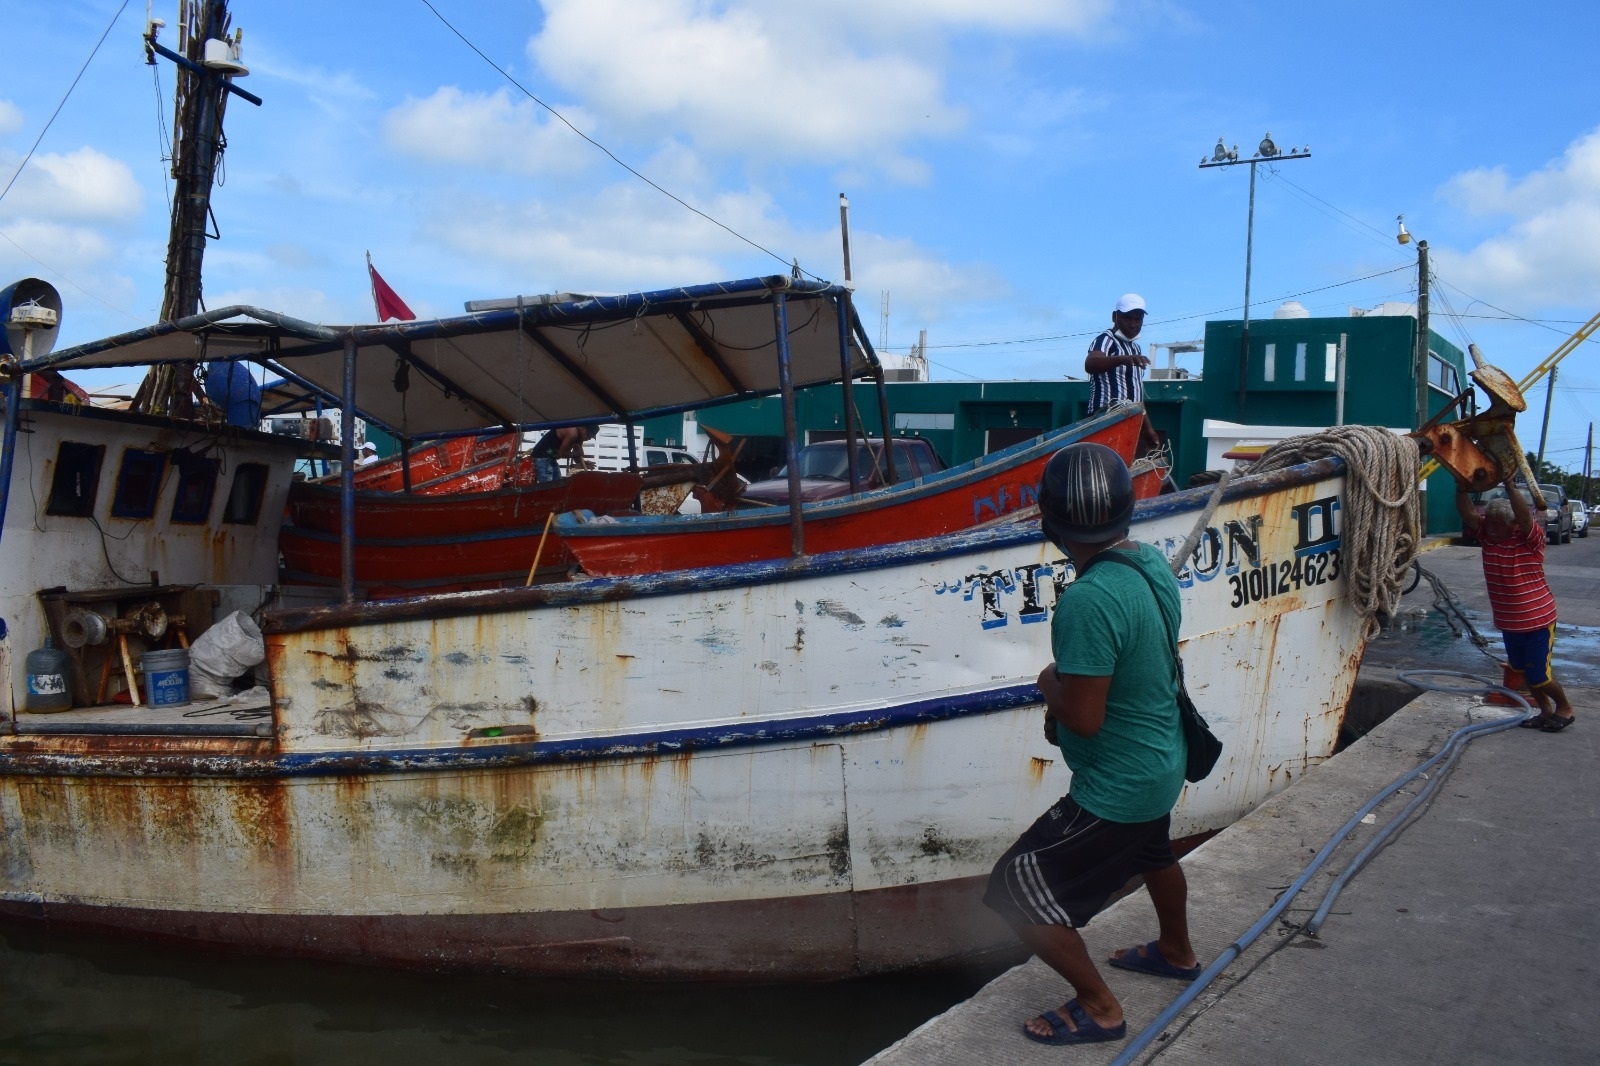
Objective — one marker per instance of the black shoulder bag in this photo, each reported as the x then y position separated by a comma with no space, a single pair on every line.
1204,749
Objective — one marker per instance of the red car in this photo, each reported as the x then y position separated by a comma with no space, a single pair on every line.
825,471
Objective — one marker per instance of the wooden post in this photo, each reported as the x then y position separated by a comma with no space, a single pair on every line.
791,445
347,475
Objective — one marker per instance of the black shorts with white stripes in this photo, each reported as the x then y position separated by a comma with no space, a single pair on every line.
1069,862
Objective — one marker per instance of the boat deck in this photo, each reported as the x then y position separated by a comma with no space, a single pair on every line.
245,714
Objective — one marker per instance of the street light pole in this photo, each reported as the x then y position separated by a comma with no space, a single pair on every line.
1419,356
1222,156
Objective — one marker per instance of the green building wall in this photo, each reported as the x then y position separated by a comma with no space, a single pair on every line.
1381,389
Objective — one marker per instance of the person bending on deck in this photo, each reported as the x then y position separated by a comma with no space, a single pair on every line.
1524,609
1111,706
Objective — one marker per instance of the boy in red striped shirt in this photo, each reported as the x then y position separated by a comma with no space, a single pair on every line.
1524,609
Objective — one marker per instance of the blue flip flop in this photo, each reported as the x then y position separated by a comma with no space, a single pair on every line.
1088,1030
1148,959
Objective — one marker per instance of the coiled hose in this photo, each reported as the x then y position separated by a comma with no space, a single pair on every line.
1448,755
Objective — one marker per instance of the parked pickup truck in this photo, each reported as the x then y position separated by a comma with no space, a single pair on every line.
825,471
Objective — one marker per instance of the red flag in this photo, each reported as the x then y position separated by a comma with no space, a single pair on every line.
385,299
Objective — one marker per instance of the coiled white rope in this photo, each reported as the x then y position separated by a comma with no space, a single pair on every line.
1381,519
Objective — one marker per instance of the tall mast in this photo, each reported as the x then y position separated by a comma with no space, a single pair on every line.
197,146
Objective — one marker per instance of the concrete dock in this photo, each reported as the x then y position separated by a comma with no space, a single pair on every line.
1471,938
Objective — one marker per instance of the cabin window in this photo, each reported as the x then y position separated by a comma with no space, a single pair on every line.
1442,375
1330,362
1269,365
197,484
1300,361
654,457
76,479
138,484
244,499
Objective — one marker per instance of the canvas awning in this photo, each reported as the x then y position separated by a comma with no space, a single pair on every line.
555,361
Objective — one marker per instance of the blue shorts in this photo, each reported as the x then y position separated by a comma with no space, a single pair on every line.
1529,653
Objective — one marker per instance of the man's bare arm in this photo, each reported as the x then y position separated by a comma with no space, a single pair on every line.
1519,507
1075,701
1464,508
1100,362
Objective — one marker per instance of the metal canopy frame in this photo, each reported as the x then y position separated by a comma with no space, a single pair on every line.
708,369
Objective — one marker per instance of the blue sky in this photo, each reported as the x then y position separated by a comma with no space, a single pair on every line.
1012,166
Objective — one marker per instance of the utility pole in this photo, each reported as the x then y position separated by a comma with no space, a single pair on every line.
1222,156
1421,361
1544,432
1588,464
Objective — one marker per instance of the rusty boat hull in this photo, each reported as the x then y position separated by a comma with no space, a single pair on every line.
777,770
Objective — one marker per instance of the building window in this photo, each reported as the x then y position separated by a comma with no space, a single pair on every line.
76,479
1269,364
244,498
904,420
1442,375
1300,361
138,484
1330,364
197,484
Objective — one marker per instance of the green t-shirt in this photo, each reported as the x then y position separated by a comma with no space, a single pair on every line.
1108,624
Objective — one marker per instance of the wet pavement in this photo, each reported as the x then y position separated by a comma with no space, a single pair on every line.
1465,941
1422,637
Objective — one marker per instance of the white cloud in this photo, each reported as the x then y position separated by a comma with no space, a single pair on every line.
82,185
1076,17
10,118
1549,253
488,130
307,304
747,78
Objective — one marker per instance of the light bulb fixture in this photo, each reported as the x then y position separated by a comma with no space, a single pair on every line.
1403,237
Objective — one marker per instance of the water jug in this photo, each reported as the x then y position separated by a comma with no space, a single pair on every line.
47,679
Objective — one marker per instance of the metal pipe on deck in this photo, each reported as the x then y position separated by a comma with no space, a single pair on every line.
780,321
347,476
9,443
843,303
405,464
888,438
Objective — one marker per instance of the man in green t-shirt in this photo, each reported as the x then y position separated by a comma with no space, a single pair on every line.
1111,706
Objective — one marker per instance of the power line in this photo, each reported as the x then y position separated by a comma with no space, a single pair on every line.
63,103
613,156
69,281
1175,319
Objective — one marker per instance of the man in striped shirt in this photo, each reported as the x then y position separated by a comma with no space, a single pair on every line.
1115,365
1524,609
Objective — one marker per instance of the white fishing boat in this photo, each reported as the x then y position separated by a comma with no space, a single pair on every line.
796,768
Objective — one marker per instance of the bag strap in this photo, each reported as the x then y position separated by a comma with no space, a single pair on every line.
1117,557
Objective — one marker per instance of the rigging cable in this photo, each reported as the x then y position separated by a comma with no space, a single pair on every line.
64,97
613,156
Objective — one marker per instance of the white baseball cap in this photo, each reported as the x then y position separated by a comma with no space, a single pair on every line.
1130,301
368,446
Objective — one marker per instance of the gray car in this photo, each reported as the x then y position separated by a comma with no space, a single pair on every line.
1557,515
